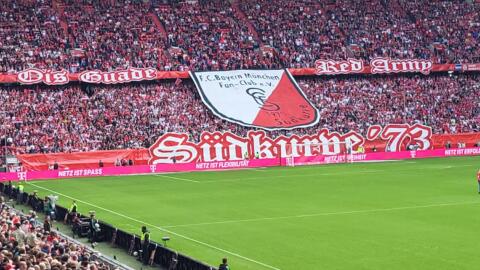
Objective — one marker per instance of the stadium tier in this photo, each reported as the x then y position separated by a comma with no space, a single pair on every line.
174,35
42,119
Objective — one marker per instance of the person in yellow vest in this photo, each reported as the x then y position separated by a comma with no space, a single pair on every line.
145,240
20,192
361,150
73,207
72,211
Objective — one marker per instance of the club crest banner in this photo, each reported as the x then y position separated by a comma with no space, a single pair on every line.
267,99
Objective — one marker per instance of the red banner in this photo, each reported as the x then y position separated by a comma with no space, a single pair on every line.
34,76
322,67
82,160
169,143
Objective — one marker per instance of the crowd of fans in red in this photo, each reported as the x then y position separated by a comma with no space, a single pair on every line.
303,31
213,34
210,38
64,119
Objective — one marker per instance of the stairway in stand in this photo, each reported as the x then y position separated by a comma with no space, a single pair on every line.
243,18
59,8
158,23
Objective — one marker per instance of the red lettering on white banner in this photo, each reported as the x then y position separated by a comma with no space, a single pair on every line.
216,146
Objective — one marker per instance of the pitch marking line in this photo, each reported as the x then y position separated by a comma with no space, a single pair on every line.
323,214
178,178
456,166
160,228
288,175
260,169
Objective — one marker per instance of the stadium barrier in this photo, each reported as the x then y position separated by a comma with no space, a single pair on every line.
141,169
163,257
385,156
238,164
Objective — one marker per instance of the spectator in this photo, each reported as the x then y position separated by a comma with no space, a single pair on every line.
224,265
47,224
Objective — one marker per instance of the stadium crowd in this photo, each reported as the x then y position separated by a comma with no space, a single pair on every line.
65,119
208,35
30,36
449,104
27,245
210,38
303,31
113,35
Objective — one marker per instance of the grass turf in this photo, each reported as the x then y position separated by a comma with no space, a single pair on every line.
422,214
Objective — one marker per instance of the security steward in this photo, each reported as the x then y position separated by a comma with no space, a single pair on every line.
145,239
20,192
72,211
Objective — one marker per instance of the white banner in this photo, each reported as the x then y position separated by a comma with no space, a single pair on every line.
268,99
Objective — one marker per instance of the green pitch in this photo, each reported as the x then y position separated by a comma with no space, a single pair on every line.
421,214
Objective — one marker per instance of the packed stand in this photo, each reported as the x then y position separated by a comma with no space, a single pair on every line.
300,30
449,104
111,35
214,35
304,31
209,37
68,119
31,36
28,245
451,28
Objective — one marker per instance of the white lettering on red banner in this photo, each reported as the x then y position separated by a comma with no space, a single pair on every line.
471,67
33,76
387,65
219,147
377,66
330,67
462,152
81,172
122,76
